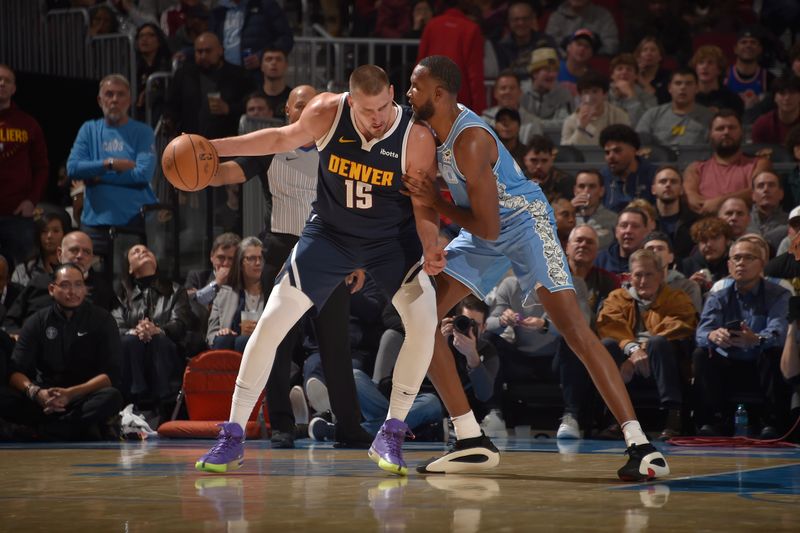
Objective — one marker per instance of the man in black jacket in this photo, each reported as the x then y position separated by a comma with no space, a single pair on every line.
64,366
207,96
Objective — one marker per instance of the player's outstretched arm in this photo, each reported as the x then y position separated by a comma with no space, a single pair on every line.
421,158
313,124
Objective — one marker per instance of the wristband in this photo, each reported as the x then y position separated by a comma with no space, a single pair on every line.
546,326
32,390
631,347
110,164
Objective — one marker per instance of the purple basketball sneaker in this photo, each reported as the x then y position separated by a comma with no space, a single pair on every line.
387,448
227,454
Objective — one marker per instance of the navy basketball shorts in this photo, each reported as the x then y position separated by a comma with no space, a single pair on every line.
323,257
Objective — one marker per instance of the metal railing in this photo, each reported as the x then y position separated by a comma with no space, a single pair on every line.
326,61
71,52
21,27
113,53
66,43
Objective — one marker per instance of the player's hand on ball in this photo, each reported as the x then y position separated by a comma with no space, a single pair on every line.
190,162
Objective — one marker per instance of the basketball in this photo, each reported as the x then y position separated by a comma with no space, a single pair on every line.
189,162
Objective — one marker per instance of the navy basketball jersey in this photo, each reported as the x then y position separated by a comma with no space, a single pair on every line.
359,180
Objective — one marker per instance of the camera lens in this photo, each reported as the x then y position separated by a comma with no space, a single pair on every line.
462,324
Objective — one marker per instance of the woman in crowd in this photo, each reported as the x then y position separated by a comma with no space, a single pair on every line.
153,319
152,55
50,229
652,77
238,306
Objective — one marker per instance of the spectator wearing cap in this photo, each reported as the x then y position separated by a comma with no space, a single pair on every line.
728,172
746,77
653,78
508,94
539,167
784,265
660,244
573,15
709,64
792,229
674,216
773,126
710,262
507,125
768,218
594,113
580,47
625,91
545,97
625,175
514,50
681,121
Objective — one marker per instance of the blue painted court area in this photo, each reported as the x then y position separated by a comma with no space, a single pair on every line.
753,483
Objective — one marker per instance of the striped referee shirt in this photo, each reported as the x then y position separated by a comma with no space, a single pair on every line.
292,180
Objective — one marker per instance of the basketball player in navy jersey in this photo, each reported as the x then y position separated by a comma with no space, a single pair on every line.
507,224
366,143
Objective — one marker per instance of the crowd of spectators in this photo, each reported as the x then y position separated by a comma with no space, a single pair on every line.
685,267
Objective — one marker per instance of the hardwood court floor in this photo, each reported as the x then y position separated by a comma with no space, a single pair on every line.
539,486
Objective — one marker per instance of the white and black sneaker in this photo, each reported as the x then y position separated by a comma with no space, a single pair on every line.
466,455
645,463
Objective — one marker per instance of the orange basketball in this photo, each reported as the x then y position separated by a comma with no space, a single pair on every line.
189,162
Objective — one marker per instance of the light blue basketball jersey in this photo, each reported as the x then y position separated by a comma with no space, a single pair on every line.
528,241
512,185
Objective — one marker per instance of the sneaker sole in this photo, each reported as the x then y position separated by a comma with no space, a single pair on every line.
218,469
471,460
386,465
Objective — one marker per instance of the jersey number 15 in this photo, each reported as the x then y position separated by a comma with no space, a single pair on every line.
358,194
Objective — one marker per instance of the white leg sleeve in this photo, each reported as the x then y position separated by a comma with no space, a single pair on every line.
416,303
286,305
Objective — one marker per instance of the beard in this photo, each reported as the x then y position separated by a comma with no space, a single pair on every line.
726,149
425,111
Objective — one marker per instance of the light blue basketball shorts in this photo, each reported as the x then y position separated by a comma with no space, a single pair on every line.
528,244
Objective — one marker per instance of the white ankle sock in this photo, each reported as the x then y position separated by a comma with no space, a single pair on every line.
466,427
633,433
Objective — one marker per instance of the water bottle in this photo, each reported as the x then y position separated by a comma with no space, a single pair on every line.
740,421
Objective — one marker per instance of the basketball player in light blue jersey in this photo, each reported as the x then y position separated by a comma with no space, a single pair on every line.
507,224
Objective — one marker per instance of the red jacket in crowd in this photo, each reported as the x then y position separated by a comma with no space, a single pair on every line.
23,159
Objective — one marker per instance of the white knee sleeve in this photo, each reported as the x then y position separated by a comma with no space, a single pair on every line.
415,301
286,305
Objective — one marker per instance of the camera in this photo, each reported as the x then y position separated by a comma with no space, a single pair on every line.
464,324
